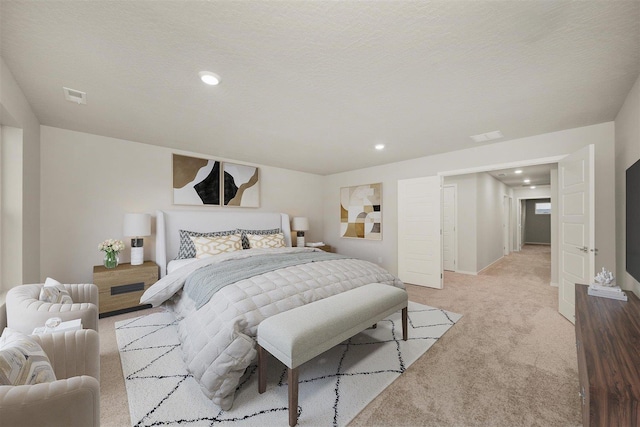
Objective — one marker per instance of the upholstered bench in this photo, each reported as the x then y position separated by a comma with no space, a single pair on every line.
298,335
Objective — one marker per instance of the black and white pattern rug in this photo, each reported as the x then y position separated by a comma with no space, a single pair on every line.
334,387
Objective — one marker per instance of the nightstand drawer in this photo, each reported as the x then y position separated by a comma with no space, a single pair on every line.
120,288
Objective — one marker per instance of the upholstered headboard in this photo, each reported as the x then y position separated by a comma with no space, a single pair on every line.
168,224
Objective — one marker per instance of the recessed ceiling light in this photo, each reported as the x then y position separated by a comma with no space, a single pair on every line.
526,181
483,137
209,78
379,147
518,171
533,187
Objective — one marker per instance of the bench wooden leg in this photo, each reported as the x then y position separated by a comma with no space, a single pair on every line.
405,331
293,396
262,369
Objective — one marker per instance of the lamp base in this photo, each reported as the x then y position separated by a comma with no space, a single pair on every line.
300,239
137,252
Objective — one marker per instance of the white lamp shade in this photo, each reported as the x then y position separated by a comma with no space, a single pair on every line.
300,223
137,225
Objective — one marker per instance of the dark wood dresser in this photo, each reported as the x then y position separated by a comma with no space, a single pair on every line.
608,343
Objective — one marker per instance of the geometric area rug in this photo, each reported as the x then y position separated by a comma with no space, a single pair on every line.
333,388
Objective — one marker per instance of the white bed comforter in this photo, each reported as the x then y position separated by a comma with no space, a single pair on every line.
218,340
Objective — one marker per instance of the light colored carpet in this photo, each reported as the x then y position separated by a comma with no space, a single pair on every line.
334,386
509,361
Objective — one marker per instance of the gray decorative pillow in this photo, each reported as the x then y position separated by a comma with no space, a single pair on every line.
55,295
23,361
245,240
188,249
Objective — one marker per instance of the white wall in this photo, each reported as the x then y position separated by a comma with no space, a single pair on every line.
479,225
536,193
89,182
16,112
627,145
490,212
519,150
11,172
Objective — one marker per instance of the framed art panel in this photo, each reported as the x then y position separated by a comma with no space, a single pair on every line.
361,212
196,181
241,185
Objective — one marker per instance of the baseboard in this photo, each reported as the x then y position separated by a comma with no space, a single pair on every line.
555,285
537,243
499,259
470,273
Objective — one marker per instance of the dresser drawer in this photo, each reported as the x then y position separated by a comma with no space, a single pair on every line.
120,288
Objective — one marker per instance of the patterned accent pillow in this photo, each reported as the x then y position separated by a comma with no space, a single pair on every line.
187,248
266,240
245,239
55,295
23,361
209,246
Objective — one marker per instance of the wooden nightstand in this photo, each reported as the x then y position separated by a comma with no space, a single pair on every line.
326,248
120,288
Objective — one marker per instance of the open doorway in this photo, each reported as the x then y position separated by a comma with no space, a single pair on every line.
489,220
536,221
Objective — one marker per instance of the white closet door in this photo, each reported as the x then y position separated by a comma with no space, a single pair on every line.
419,238
576,188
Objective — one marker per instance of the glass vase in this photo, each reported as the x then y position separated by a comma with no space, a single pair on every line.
110,259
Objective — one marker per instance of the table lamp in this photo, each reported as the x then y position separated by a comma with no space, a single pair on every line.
138,225
300,224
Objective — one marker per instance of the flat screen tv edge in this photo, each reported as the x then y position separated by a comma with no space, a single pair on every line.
633,220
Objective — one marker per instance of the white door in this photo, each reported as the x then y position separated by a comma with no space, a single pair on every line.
419,243
576,186
449,227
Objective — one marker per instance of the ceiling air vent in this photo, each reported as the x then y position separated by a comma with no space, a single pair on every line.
489,136
76,96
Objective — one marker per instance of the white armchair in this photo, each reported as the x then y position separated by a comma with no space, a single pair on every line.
73,399
25,311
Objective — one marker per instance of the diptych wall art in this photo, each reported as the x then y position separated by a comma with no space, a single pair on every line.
198,181
361,212
241,185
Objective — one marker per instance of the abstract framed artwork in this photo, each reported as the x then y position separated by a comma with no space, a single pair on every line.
241,185
196,181
361,212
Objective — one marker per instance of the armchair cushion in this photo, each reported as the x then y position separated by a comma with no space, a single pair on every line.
22,360
25,311
73,399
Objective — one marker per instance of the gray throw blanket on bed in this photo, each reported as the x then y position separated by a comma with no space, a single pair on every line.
203,283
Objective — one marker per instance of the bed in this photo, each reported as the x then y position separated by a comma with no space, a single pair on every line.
220,300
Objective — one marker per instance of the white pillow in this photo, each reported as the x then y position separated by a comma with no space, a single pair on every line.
266,240
210,246
22,360
54,292
51,282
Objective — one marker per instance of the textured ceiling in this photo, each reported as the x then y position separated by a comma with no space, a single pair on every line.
313,85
